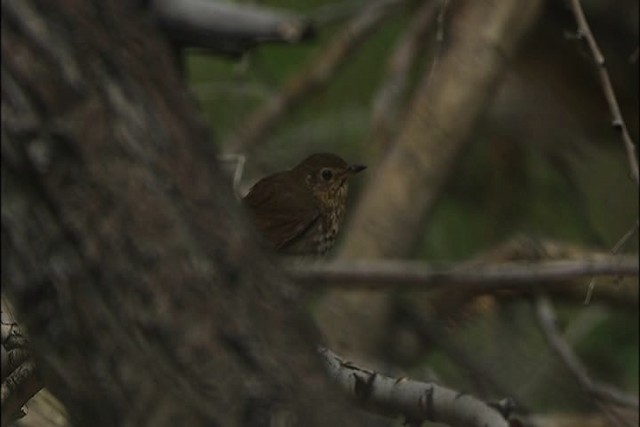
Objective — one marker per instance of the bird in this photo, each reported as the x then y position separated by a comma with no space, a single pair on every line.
300,211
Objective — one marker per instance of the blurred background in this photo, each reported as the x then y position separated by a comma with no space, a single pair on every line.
544,160
543,171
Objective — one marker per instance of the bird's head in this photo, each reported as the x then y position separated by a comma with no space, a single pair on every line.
326,175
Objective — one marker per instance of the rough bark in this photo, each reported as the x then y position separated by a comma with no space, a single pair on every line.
123,249
396,204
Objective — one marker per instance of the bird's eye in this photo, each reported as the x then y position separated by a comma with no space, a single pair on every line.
326,174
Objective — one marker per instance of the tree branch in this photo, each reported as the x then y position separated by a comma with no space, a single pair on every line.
414,400
618,122
226,28
316,74
616,248
601,391
386,275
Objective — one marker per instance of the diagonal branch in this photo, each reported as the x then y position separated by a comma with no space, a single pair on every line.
598,390
584,30
387,102
315,75
416,401
616,248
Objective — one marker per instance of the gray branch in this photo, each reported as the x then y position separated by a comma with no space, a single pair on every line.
224,27
414,400
391,274
617,120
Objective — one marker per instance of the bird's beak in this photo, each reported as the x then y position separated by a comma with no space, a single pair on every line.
356,168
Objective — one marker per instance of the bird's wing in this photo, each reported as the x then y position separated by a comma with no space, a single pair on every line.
281,213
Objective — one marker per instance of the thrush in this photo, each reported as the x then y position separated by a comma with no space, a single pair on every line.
300,211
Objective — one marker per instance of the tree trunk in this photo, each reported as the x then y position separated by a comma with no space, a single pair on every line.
123,249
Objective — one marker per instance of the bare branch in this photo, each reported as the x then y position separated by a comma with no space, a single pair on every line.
233,164
616,248
386,104
625,238
385,275
229,28
416,401
600,391
617,120
312,77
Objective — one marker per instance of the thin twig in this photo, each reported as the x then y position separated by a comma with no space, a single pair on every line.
439,41
600,391
617,120
623,240
616,248
238,161
385,275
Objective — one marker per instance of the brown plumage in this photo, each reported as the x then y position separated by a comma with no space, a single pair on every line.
300,211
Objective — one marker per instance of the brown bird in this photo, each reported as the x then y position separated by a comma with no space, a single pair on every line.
300,211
